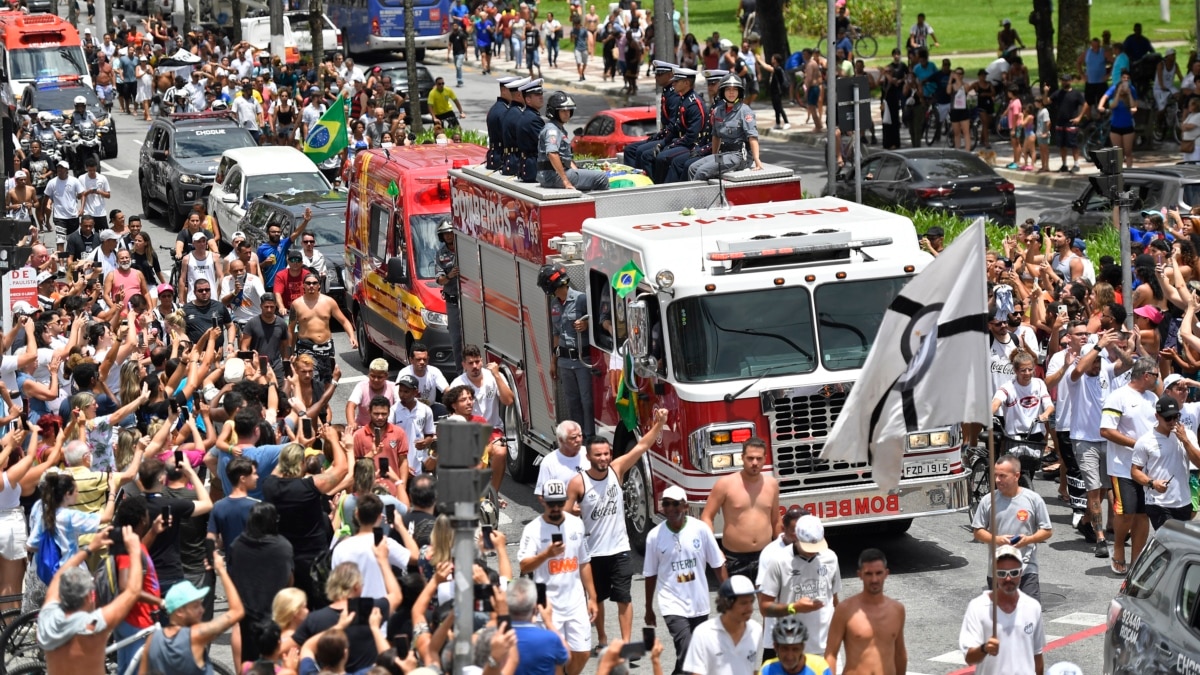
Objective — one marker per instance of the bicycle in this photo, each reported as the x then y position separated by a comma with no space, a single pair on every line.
865,44
175,264
1094,135
1166,125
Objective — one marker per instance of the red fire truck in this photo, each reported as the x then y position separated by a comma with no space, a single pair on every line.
756,311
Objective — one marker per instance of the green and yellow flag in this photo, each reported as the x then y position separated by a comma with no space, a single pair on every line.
328,136
627,398
626,279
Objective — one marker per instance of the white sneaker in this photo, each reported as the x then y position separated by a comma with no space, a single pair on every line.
787,126
777,128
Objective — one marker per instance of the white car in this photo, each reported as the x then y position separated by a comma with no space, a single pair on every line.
245,174
331,37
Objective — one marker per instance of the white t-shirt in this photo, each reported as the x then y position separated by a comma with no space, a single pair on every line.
429,385
487,395
1022,404
999,363
792,578
65,194
778,548
360,550
249,305
94,204
713,650
1062,392
1162,457
1189,415
677,560
557,465
417,424
564,585
247,111
1132,414
1087,402
1021,634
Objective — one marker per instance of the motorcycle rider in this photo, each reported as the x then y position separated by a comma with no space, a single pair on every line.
77,119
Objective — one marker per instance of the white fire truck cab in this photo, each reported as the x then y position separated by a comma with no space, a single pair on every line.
752,320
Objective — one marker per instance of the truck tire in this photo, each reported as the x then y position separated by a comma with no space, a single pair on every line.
174,222
147,207
639,504
895,528
520,454
367,352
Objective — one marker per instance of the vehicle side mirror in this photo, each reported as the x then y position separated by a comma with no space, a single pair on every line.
159,155
1077,205
229,198
638,317
578,131
397,271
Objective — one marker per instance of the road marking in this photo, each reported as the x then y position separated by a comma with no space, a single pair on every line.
1082,619
957,658
113,172
352,379
1052,643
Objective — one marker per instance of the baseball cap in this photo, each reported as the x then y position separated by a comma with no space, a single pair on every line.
1006,22
164,288
200,235
1009,551
22,308
63,165
238,235
409,381
1079,244
20,174
235,371
1171,379
935,231
379,365
1149,312
183,593
44,277
736,586
554,490
294,256
675,492
1167,406
810,535
1169,52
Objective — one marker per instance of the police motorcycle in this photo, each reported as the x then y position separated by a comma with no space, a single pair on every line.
82,138
46,131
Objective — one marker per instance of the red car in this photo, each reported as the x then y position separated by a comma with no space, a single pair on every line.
608,132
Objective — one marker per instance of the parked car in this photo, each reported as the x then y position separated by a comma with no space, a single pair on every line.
1154,622
1156,187
328,227
179,158
398,71
59,98
954,182
609,131
245,174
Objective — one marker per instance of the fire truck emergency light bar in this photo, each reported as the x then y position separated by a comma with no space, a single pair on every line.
812,244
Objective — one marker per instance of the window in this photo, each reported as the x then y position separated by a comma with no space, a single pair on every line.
872,169
609,311
381,218
891,170
163,140
233,181
595,127
848,318
1148,571
257,218
1189,597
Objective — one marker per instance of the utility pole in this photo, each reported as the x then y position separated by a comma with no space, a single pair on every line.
831,149
664,33
278,49
235,8
412,97
316,26
461,485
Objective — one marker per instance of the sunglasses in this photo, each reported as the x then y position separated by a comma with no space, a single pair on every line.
671,502
1008,574
555,505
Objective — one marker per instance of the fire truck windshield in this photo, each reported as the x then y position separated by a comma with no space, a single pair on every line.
739,335
34,62
849,314
425,243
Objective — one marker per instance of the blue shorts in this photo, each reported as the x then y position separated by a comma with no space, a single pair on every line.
812,95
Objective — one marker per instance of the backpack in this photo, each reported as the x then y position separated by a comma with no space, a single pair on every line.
107,581
49,558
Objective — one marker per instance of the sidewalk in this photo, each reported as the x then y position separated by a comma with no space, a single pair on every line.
566,76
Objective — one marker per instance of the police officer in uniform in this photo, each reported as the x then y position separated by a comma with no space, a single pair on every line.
668,105
510,124
529,131
679,166
692,118
569,323
734,133
555,168
447,278
495,124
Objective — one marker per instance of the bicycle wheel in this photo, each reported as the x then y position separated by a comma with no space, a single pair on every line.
221,669
821,46
27,668
19,639
866,47
976,129
931,126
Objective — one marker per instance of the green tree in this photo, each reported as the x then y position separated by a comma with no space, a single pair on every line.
772,29
1073,27
1042,19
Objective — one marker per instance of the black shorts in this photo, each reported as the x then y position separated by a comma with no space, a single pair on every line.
1067,137
959,115
1159,515
745,564
127,89
612,575
1129,498
1122,131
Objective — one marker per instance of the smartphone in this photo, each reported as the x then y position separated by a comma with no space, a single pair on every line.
541,594
263,364
362,611
1062,311
166,515
63,255
117,547
487,536
483,597
179,458
318,444
383,466
287,368
210,548
633,651
378,532
306,426
378,434
1014,540
400,644
556,539
390,513
503,622
245,355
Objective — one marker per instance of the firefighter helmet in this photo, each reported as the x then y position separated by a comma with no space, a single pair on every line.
552,277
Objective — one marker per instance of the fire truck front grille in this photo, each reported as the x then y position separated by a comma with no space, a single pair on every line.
800,423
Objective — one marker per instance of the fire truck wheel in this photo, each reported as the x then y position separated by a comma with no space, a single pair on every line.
639,512
367,352
520,454
895,528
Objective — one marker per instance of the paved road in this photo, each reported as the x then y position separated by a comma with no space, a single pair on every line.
936,567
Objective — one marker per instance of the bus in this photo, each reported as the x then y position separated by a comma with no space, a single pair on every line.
378,25
40,47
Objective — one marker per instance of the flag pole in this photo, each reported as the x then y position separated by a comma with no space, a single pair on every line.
992,518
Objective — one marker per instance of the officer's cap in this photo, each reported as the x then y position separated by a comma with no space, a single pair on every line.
503,82
715,76
532,87
683,74
516,83
662,67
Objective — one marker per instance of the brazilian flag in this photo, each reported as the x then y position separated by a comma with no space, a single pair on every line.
626,279
627,397
328,136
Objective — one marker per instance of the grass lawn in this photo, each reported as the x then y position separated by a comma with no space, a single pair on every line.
705,16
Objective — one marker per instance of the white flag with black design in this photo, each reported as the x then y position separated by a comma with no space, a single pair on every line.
928,367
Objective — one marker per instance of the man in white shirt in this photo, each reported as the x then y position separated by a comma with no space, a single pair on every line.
430,380
554,549
195,91
416,419
566,461
1020,637
63,192
677,551
1160,458
805,584
710,651
491,391
242,293
1092,376
248,111
1127,416
95,194
359,548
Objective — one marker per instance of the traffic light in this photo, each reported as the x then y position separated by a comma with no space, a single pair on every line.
1109,161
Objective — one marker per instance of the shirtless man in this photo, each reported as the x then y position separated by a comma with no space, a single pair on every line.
870,623
21,201
749,504
310,320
